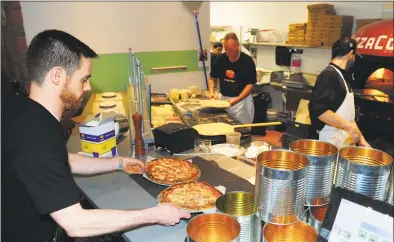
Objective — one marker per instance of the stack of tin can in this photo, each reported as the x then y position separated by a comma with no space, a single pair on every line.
293,187
280,191
364,170
292,193
390,188
322,158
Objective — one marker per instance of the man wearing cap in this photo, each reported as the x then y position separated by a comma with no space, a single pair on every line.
217,49
331,107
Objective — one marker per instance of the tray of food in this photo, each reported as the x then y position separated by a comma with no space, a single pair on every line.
164,114
159,98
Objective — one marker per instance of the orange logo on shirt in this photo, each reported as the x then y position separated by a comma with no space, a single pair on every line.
230,74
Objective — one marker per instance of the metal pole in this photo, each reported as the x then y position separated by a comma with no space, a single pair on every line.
201,49
139,75
131,66
134,64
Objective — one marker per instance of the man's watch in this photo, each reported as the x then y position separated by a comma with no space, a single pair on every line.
120,163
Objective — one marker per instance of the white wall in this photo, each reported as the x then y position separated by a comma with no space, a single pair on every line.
314,60
113,27
278,15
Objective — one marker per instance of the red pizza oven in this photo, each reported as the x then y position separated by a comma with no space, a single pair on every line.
373,83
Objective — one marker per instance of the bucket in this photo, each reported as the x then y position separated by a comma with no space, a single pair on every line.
316,216
298,232
281,178
241,206
213,227
322,158
364,170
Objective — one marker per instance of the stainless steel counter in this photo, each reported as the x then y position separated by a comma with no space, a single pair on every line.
116,190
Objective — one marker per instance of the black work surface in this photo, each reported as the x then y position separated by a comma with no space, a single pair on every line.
210,172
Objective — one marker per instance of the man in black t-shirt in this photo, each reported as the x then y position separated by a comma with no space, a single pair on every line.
331,107
38,190
236,72
217,49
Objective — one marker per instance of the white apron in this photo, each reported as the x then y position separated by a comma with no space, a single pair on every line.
243,111
346,111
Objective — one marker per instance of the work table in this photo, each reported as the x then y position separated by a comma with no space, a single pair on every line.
117,190
193,113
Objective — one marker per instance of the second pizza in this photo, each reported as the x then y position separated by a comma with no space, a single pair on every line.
191,196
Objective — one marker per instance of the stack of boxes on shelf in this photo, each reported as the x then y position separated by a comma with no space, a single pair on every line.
297,33
324,27
362,22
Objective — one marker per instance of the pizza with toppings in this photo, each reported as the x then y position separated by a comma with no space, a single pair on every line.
191,196
169,171
132,169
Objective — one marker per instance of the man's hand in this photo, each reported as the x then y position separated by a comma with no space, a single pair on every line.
168,214
211,95
354,132
363,142
233,101
135,165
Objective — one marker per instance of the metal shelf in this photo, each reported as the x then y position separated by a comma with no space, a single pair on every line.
281,44
286,45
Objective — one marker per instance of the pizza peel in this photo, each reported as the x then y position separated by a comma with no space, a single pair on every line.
213,129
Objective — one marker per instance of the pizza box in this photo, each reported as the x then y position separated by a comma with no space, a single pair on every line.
296,25
320,6
297,32
97,135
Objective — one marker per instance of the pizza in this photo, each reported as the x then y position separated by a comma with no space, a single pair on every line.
132,169
171,171
191,196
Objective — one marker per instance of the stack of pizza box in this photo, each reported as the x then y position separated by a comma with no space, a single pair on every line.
362,22
324,27
297,33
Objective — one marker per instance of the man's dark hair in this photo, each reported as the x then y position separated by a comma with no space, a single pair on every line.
342,47
52,48
217,45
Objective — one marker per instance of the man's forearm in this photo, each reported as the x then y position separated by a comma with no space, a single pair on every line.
331,119
211,84
245,93
81,164
93,222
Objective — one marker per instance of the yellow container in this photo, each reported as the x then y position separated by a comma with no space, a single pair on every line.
174,95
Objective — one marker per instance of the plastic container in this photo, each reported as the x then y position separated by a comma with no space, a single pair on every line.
272,115
233,138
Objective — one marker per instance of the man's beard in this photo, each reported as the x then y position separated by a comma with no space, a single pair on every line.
70,101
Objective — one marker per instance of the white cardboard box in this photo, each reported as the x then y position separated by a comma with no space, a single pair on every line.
98,137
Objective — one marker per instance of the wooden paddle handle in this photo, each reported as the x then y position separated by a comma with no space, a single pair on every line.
257,125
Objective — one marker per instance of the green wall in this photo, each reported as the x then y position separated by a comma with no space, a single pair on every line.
110,72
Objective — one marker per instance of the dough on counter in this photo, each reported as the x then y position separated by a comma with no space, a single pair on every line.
215,103
213,129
